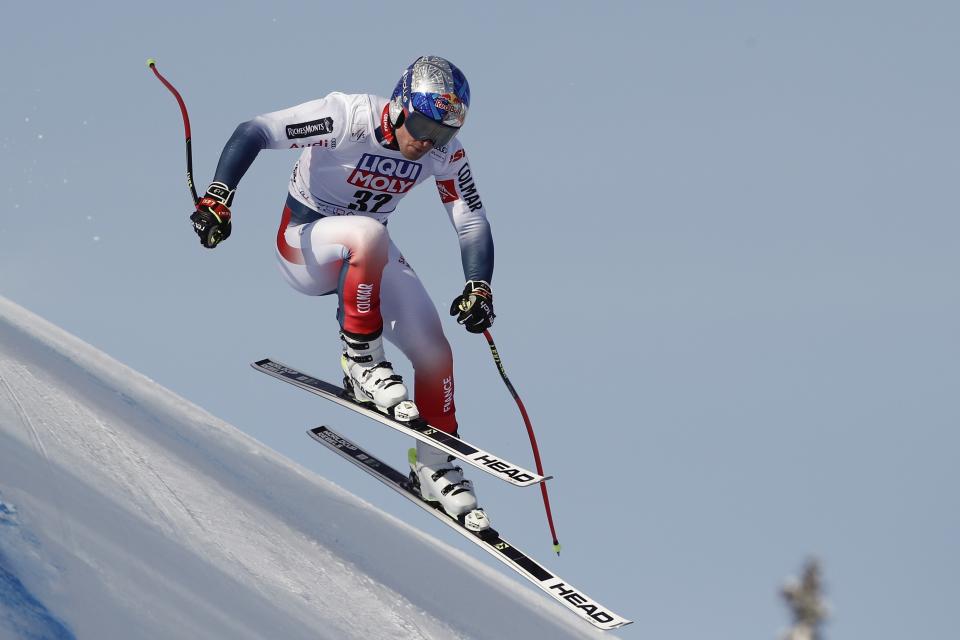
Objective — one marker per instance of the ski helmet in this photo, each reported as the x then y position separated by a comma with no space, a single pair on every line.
431,98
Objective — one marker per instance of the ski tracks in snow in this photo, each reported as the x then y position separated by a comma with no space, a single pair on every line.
76,435
24,416
75,430
9,369
133,467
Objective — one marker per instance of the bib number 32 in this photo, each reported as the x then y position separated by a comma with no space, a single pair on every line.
363,197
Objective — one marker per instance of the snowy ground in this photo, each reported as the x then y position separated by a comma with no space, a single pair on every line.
126,511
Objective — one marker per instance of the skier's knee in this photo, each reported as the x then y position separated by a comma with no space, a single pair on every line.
369,235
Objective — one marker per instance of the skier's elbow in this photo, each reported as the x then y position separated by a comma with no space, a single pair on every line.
251,133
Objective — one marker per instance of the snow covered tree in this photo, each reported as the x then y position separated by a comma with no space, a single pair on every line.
807,606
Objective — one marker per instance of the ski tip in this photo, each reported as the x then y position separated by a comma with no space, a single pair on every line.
151,62
556,547
545,478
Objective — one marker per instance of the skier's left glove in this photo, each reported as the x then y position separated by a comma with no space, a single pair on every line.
474,307
211,220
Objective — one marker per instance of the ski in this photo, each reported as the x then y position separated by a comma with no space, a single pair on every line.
489,540
483,460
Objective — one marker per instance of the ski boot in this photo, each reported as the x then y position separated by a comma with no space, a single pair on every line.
369,378
434,477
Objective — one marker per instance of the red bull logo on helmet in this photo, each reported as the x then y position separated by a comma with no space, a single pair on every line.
390,175
452,108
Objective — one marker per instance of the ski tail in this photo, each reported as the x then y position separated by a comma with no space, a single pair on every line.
489,540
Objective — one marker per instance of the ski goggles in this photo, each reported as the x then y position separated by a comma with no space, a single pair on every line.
423,128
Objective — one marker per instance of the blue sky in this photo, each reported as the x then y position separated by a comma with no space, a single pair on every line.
726,242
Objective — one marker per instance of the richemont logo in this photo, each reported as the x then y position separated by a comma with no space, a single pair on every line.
389,175
502,467
319,127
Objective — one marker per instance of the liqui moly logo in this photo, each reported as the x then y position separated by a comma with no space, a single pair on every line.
389,175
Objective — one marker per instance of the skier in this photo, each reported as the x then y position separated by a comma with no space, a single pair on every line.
361,154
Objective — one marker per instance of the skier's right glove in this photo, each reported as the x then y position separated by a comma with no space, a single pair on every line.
474,307
211,220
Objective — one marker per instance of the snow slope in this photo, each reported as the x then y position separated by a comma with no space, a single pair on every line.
127,512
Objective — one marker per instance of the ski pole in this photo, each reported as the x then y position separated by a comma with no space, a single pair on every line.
533,438
152,64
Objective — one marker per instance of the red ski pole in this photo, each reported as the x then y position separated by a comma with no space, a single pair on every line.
186,127
533,438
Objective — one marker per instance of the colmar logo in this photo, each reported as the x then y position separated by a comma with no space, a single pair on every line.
468,191
448,192
364,294
457,155
389,175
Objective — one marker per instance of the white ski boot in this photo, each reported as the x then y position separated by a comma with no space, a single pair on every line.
433,474
370,379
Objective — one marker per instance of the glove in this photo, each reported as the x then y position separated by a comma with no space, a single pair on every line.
474,307
211,220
